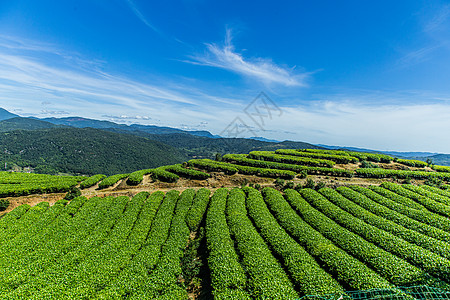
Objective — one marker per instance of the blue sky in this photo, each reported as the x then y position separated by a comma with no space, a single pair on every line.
372,74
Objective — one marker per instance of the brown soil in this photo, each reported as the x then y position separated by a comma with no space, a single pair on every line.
216,181
32,200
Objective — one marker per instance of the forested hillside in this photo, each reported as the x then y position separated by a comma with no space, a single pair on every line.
84,151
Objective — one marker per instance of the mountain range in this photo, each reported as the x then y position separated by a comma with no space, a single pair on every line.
78,145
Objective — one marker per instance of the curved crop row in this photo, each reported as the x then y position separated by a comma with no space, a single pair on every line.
163,175
307,275
336,152
227,275
430,204
271,156
385,263
389,199
10,218
407,202
384,173
339,263
426,193
187,173
358,197
375,157
130,280
44,273
138,176
111,180
13,184
339,159
195,215
230,169
445,193
267,279
91,181
441,168
121,277
103,261
164,281
28,219
212,166
242,159
416,248
412,163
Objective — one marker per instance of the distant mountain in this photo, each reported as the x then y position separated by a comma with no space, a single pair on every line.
80,122
4,114
392,153
438,159
257,138
19,123
203,147
84,151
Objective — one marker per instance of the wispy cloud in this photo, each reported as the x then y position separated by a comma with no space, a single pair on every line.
263,69
29,80
439,19
141,17
434,36
417,56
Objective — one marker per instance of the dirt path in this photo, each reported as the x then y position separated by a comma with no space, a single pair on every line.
216,181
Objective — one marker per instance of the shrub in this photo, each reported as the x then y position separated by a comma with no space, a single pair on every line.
4,203
73,193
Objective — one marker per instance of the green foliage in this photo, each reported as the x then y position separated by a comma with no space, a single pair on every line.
310,184
323,151
340,159
390,221
190,263
376,157
343,266
111,180
320,185
137,176
391,200
386,238
212,166
271,156
386,173
267,279
91,181
195,215
230,169
73,193
20,184
186,172
385,263
430,204
412,163
289,185
441,168
434,181
307,274
227,275
279,183
242,159
163,175
368,165
86,151
4,203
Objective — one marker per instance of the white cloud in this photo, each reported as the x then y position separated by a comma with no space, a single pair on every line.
141,17
265,70
409,127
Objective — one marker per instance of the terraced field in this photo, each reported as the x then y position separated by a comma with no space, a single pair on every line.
258,244
380,241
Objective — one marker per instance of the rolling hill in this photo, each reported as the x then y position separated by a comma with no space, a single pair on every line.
84,151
